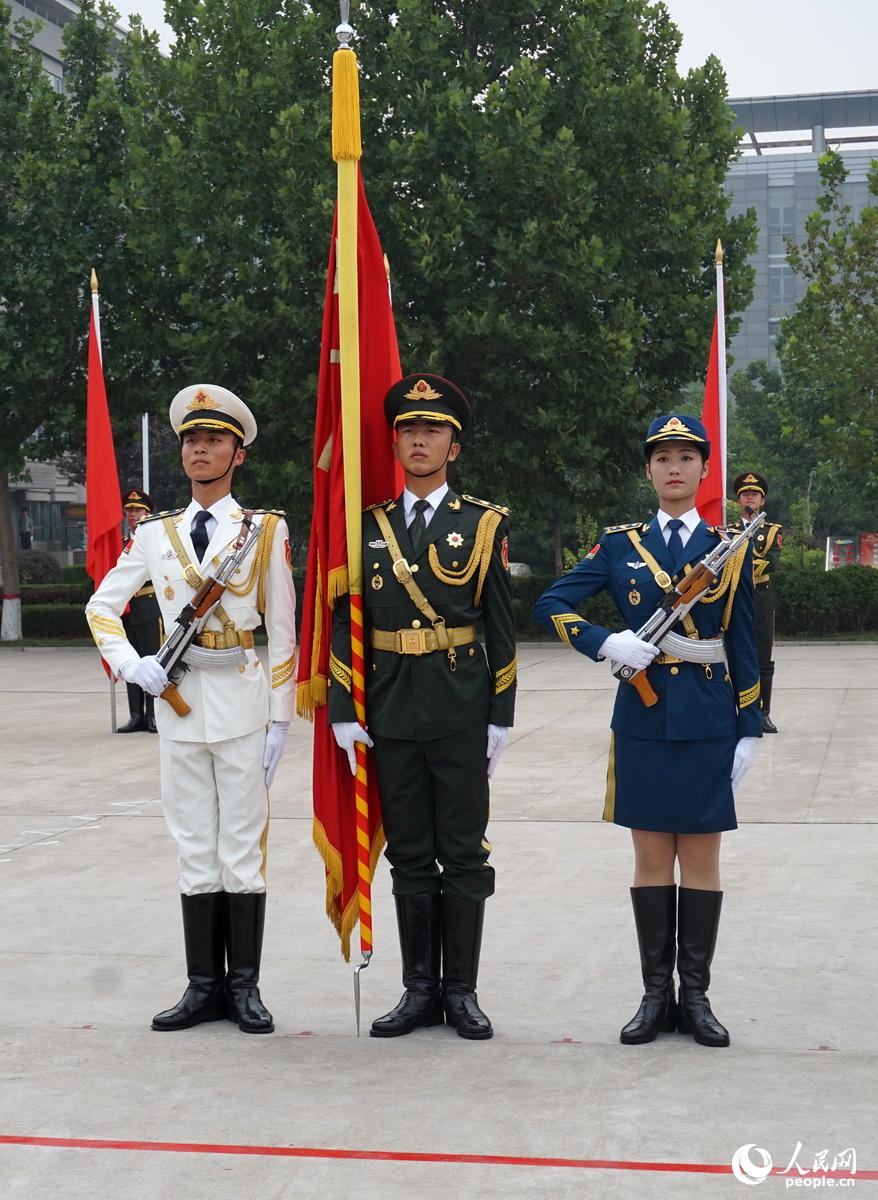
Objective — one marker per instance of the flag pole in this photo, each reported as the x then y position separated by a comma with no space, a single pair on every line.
721,364
346,151
96,311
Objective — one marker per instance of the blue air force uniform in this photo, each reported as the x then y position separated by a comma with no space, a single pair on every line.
689,736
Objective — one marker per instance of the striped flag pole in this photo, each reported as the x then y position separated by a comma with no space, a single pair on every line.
347,151
721,363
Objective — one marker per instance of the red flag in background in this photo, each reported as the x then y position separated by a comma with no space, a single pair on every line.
327,578
711,491
103,499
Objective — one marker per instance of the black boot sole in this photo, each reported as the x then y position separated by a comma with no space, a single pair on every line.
189,1023
427,1023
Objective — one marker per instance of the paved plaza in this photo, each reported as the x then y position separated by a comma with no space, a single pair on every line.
91,947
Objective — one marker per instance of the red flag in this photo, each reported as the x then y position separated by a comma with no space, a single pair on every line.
103,499
327,578
711,491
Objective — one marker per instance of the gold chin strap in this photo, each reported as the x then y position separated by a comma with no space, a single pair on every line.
661,577
403,573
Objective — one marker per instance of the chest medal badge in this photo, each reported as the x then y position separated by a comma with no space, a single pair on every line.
455,540
377,583
634,596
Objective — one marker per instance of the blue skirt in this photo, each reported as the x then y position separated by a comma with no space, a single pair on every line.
671,787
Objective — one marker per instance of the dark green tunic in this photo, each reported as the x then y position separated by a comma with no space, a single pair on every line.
430,722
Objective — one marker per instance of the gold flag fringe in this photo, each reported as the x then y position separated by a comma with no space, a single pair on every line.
337,584
345,922
346,142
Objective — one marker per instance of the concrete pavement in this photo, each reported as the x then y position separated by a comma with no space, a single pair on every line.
91,946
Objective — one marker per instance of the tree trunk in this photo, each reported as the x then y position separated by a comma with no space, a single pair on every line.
807,518
559,558
10,627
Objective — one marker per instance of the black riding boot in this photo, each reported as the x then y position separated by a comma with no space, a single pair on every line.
418,920
462,922
655,916
136,721
697,925
203,933
245,921
149,712
765,683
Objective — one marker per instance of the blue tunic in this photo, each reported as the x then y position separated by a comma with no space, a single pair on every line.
670,765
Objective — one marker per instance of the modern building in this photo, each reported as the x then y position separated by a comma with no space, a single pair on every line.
776,174
53,15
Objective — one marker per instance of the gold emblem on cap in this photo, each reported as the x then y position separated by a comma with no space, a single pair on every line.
423,391
751,478
202,400
675,425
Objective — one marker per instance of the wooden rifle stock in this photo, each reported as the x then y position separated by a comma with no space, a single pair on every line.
640,683
176,701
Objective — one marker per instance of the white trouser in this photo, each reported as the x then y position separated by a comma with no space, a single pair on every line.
216,808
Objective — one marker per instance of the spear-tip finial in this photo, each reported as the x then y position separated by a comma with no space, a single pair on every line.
343,31
94,281
720,253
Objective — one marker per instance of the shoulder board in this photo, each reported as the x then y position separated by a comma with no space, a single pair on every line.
276,512
171,512
487,504
724,529
623,528
380,504
773,525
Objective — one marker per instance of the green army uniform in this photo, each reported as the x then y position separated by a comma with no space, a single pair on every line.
433,688
767,546
142,625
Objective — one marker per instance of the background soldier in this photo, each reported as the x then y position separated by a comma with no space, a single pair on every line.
218,761
439,705
751,489
142,623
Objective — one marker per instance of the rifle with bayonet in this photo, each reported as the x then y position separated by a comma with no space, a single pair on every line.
178,646
677,602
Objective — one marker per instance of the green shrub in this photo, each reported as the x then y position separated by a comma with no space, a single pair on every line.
57,593
36,566
75,574
826,603
600,610
53,621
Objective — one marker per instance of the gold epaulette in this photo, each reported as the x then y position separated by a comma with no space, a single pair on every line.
487,504
171,512
269,512
380,504
623,528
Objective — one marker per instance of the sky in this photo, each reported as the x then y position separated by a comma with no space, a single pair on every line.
768,47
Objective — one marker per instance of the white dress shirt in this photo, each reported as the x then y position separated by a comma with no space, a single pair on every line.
691,520
434,500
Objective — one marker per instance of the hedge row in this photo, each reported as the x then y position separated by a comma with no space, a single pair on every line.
56,593
809,603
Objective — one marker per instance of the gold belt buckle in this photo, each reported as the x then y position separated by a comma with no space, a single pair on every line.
663,579
412,641
402,571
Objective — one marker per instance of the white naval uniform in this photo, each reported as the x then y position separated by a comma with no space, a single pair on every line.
213,782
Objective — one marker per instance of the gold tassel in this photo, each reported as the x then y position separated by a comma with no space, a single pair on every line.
346,141
337,584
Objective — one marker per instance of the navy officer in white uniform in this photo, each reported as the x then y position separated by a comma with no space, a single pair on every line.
218,761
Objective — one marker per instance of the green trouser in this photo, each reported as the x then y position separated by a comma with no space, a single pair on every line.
434,805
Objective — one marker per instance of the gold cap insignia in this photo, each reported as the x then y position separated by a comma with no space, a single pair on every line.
423,391
675,425
201,400
751,478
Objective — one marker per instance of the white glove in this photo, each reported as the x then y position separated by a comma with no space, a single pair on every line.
627,648
743,758
275,741
147,673
498,736
347,734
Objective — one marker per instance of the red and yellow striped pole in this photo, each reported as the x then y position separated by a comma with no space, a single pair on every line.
346,151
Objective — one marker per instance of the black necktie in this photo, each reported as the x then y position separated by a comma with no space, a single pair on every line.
199,533
418,527
675,542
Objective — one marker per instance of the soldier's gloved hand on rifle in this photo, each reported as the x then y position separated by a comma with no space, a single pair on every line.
347,734
146,673
630,650
498,736
743,758
275,741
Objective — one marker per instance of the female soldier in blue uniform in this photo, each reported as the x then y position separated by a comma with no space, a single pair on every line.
673,766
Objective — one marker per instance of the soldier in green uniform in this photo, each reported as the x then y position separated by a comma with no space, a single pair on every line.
142,623
439,702
751,489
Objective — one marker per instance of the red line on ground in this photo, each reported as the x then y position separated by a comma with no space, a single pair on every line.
491,1160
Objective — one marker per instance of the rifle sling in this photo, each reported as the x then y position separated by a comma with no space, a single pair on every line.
661,576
